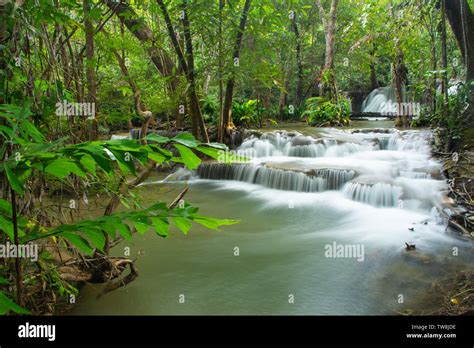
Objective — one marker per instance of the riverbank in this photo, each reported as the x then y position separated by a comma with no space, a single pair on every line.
455,293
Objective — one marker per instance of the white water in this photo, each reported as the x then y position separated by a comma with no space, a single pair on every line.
380,169
379,100
381,190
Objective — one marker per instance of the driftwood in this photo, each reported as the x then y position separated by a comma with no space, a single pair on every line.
119,264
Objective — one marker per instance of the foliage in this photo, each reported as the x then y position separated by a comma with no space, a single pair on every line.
28,154
210,108
455,116
320,112
248,113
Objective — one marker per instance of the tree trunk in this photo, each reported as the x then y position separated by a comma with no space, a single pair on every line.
229,91
143,33
191,74
299,86
329,23
198,126
444,54
3,62
434,64
461,19
90,67
330,37
400,77
221,68
139,106
283,100
374,83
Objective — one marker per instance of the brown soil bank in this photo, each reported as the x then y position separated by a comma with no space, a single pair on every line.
455,294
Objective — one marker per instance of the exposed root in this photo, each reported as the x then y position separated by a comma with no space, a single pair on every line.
120,264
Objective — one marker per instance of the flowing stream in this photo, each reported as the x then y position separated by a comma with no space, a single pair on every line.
304,192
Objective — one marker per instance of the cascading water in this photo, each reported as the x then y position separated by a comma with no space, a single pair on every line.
297,195
379,100
380,194
378,168
314,181
293,144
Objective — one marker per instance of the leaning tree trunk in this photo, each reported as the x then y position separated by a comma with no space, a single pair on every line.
138,27
139,106
198,126
191,74
229,91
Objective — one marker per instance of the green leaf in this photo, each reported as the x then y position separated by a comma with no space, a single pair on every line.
157,138
58,168
96,237
5,207
182,223
211,152
186,139
32,131
22,173
88,163
189,158
161,226
213,223
78,242
141,227
124,231
7,305
7,227
157,157
15,184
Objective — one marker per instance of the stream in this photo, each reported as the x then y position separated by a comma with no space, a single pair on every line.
305,191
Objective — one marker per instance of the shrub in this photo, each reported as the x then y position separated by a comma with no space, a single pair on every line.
321,112
248,113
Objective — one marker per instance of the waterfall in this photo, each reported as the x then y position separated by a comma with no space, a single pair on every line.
135,133
379,99
379,195
297,145
376,167
313,181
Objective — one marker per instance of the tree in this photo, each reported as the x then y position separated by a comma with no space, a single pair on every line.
229,91
329,23
299,88
461,19
90,66
199,128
